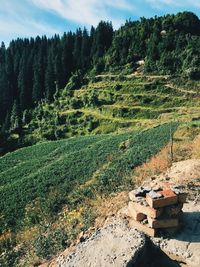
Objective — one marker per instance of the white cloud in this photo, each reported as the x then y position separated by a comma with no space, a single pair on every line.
88,12
18,20
163,3
177,3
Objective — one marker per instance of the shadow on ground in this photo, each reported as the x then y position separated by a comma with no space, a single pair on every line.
190,230
152,256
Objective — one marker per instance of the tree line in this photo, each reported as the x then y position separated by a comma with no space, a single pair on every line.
32,69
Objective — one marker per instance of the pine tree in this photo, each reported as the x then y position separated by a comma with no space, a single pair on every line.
67,57
15,120
22,82
77,49
85,51
102,40
4,84
50,77
38,84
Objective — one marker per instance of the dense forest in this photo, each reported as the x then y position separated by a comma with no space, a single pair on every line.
34,69
31,69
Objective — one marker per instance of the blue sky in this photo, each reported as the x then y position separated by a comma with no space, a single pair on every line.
29,18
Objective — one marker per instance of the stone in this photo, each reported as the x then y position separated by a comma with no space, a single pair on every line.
140,192
143,228
157,188
178,190
135,214
132,197
154,195
113,245
150,212
168,198
162,223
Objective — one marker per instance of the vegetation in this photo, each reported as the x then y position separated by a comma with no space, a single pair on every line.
37,182
32,70
96,112
101,107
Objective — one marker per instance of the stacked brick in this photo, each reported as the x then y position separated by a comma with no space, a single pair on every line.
154,209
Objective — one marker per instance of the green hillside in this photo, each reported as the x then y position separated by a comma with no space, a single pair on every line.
127,93
38,181
89,141
36,171
110,103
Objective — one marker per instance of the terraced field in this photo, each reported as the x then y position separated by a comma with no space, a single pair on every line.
112,103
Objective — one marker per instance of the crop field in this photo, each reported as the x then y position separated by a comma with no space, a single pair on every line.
64,166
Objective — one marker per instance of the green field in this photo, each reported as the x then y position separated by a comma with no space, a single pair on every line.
63,166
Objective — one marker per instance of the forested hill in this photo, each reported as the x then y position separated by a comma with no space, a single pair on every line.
33,69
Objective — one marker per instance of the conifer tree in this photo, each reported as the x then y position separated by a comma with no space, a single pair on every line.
50,77
15,120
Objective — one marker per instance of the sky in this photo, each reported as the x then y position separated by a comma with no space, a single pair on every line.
29,18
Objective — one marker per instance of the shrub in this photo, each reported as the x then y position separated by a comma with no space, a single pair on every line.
75,82
50,242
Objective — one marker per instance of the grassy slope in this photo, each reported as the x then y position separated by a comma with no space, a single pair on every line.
64,166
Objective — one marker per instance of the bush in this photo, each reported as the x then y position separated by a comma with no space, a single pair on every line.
117,87
50,242
75,82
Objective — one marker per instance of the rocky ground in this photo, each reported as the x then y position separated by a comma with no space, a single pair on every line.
118,246
115,244
185,245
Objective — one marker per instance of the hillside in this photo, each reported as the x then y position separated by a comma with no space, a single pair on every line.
54,190
89,116
55,185
35,70
113,103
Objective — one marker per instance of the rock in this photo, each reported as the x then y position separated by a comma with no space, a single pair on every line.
114,245
186,243
168,197
154,195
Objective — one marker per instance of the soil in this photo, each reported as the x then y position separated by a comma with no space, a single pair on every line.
185,171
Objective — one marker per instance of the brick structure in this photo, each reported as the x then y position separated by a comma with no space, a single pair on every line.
153,209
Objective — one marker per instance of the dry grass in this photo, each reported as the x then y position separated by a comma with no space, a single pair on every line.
27,234
108,207
155,166
196,148
187,143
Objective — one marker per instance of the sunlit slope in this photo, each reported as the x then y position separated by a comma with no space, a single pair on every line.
109,103
65,166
